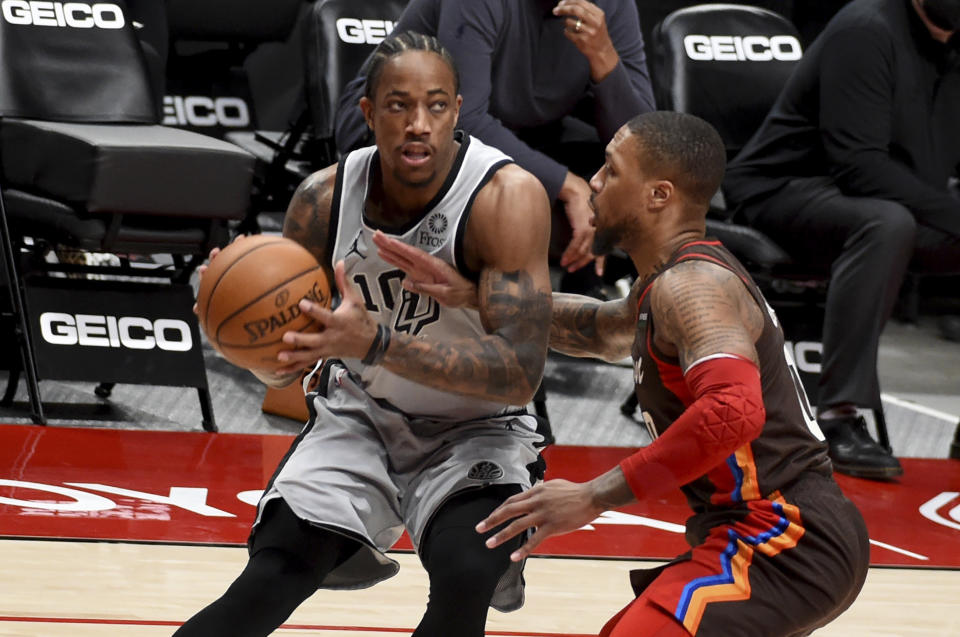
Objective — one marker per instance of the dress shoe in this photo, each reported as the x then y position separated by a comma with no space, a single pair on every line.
854,452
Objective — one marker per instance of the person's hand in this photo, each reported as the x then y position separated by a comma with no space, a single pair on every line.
202,268
587,29
575,195
427,274
553,508
346,332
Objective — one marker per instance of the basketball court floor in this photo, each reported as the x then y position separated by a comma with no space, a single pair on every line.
122,517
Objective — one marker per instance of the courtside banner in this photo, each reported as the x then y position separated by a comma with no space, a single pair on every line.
115,332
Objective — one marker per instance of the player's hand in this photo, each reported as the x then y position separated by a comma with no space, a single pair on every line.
203,268
346,332
586,27
575,195
553,507
427,274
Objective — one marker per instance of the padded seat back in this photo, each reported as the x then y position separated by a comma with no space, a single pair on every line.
340,36
725,63
58,61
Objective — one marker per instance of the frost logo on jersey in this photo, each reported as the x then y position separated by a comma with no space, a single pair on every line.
735,48
432,237
485,471
365,31
203,111
130,332
74,15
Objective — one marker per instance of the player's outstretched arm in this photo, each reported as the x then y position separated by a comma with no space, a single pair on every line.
581,326
506,240
584,326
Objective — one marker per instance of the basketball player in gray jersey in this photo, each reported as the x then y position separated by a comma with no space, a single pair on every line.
417,420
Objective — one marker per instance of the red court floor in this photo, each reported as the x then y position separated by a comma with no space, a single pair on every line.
199,488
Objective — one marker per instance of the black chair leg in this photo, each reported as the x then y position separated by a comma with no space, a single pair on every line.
206,409
955,445
882,438
629,406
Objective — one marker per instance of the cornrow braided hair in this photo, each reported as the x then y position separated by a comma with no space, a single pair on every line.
397,44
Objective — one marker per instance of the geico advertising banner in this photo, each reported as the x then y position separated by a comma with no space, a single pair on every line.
115,332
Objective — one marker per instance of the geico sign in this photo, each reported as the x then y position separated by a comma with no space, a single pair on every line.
199,110
132,332
735,48
366,31
77,15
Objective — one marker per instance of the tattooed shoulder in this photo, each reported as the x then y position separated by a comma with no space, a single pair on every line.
307,220
701,309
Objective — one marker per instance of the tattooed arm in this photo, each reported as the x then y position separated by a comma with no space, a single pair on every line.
701,309
506,240
307,220
583,326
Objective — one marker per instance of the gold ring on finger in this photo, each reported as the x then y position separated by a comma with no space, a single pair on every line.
578,27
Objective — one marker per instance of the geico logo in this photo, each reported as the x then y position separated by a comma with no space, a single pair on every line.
132,332
735,48
366,31
199,110
77,15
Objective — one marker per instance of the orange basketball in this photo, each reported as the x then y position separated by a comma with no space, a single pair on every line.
249,297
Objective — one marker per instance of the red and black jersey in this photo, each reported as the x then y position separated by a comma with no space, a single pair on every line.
790,443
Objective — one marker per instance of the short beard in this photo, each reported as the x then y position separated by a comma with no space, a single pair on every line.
605,240
426,181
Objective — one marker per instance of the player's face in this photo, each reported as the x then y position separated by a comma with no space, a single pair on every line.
616,194
413,116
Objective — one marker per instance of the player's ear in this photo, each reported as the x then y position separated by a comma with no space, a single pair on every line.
367,107
661,192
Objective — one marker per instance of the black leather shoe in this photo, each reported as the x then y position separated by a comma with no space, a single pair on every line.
855,453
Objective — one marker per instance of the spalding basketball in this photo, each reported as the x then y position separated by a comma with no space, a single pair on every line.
249,297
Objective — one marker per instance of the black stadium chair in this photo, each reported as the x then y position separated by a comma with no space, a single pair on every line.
86,168
235,72
727,64
340,36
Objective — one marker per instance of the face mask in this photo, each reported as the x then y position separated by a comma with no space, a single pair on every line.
943,13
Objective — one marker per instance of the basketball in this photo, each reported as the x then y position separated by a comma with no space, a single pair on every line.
249,297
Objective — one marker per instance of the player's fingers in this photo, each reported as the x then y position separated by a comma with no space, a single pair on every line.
510,531
576,265
599,264
530,545
512,507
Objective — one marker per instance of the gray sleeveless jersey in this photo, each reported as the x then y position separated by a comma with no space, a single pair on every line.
439,231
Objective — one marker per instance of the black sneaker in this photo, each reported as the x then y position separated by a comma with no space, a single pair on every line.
855,453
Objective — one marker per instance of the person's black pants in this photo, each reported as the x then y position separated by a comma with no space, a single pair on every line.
868,245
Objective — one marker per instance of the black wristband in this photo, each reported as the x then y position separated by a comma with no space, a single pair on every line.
378,348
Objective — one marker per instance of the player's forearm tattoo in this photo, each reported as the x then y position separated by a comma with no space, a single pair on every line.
583,326
307,220
506,364
704,310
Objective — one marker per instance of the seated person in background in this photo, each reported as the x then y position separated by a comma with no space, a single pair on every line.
850,171
525,66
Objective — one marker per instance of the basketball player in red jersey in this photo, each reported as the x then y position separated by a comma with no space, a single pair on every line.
418,419
776,549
